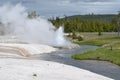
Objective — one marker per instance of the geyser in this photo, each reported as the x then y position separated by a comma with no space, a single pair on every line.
14,21
60,37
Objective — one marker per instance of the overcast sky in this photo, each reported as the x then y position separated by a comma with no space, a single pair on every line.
50,8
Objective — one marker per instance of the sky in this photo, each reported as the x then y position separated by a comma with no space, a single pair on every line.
52,8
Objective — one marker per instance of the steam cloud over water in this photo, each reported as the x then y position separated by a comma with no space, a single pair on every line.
14,21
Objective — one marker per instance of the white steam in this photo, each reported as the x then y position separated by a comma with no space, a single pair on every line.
15,22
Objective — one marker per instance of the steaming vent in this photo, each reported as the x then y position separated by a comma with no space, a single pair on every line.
15,23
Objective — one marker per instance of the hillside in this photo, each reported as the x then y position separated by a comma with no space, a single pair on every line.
102,17
87,23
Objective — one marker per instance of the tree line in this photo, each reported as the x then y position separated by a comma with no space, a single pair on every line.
81,25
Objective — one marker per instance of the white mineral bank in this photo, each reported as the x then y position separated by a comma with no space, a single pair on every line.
31,48
21,69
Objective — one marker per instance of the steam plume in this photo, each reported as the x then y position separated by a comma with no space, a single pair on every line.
14,21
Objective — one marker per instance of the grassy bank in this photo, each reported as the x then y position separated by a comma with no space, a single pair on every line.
110,52
95,40
102,54
99,41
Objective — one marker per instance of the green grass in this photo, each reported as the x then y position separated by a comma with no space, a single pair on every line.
102,54
99,41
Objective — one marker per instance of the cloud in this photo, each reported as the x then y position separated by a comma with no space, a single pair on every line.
69,7
91,0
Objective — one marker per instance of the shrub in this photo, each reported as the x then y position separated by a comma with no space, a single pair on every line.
80,38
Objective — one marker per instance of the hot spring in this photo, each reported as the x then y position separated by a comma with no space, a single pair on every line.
14,22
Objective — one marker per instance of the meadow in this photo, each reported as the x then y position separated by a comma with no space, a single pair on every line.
109,50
